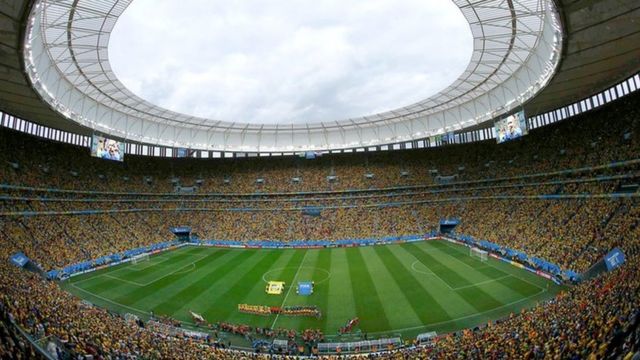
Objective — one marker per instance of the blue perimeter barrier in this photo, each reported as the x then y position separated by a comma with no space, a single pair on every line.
533,264
275,244
110,260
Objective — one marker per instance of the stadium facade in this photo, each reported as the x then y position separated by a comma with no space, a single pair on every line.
533,54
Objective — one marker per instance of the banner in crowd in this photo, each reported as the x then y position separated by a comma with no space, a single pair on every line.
19,259
614,259
292,310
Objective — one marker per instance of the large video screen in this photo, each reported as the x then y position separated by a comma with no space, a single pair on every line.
105,148
182,152
511,127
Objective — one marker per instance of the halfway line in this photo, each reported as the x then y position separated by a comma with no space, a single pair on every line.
290,287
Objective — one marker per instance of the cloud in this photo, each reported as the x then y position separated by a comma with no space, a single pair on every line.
275,61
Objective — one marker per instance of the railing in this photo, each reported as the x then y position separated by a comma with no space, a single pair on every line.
329,198
612,165
327,207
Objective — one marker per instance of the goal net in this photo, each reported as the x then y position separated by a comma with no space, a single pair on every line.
139,258
480,254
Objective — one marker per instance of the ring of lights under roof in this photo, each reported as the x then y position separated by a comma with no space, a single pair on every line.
516,51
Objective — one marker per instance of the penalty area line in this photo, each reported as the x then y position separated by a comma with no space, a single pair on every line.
495,268
482,282
136,310
462,317
111,301
177,271
431,272
181,270
123,280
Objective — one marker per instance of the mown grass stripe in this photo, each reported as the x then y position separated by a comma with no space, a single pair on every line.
322,291
454,305
462,254
102,285
257,294
398,309
139,295
110,283
308,272
507,283
160,294
520,286
342,297
448,274
236,292
473,295
368,305
196,284
342,305
422,302
153,272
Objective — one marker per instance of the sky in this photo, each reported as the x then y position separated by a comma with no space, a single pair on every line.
284,62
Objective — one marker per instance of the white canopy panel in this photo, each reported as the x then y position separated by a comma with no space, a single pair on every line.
516,51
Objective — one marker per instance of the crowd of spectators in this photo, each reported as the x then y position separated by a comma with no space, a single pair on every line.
579,323
574,229
570,232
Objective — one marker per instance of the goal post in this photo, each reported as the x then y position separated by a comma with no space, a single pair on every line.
139,258
482,255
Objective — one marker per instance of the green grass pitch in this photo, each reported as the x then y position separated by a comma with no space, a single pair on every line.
402,289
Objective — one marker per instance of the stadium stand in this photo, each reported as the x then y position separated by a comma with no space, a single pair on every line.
568,145
517,197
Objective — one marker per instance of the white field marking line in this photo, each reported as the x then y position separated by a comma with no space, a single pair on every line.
459,287
125,306
108,273
179,271
193,266
123,280
482,282
84,280
127,265
110,301
379,332
149,264
413,264
464,263
108,270
525,280
488,264
460,318
193,263
176,271
133,267
432,273
290,287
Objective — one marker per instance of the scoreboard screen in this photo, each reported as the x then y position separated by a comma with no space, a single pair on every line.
512,127
108,149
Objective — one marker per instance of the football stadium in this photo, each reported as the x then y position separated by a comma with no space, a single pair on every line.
454,179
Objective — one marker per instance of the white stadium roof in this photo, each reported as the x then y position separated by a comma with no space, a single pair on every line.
517,46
